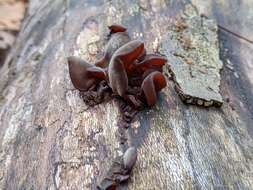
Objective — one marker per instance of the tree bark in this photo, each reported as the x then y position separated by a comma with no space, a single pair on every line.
49,139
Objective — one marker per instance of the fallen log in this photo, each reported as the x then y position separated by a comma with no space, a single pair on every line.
51,139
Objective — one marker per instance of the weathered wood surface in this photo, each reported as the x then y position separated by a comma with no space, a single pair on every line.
49,139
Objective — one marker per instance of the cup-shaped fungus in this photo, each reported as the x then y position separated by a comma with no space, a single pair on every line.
151,85
151,61
118,37
116,28
84,75
119,64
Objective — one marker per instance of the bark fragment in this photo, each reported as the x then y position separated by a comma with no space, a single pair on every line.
191,46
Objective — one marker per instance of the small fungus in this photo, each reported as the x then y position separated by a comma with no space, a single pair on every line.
151,85
119,170
116,28
84,75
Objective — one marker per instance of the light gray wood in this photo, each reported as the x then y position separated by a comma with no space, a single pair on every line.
49,139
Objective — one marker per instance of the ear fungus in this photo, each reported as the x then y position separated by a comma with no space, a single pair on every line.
118,77
119,63
151,61
114,43
151,85
131,68
130,51
124,63
116,28
84,75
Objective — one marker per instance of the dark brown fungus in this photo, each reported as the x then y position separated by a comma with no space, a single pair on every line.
120,61
130,52
116,28
118,37
150,61
151,85
119,170
84,75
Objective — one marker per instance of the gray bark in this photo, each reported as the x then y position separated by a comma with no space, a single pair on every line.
49,139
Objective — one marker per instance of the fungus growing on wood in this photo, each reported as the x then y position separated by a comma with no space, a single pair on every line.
151,85
119,64
127,71
84,75
118,37
150,61
116,28
119,170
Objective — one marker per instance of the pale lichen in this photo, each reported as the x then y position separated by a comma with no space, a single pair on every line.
191,47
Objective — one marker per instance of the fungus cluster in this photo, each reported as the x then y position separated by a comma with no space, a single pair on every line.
124,71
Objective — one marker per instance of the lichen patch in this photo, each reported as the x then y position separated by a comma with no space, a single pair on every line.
191,46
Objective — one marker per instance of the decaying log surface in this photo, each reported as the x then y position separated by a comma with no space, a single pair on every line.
49,139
